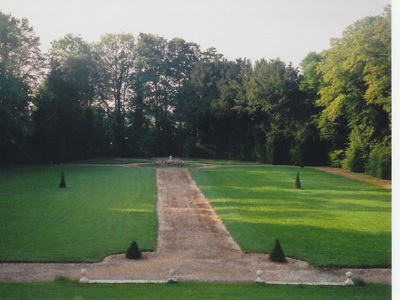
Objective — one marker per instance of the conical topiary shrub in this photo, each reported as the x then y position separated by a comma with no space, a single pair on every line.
133,251
277,254
62,183
297,185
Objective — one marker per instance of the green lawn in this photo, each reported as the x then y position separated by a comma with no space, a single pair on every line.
113,161
100,212
332,221
222,162
61,290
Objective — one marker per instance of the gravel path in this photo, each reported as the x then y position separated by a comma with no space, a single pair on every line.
194,241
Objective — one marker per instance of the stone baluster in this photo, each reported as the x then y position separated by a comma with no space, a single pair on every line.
259,273
84,279
172,276
348,280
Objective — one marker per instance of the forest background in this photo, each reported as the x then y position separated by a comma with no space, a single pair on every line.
147,96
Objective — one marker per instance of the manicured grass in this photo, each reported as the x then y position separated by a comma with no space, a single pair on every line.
61,290
331,221
222,162
113,161
102,210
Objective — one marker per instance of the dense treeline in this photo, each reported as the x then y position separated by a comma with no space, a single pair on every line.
149,96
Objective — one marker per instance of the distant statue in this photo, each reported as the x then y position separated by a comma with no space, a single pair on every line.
170,158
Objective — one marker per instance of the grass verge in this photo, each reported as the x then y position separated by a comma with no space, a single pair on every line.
220,162
113,161
331,221
99,213
69,290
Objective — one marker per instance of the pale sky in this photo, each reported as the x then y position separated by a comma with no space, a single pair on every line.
255,29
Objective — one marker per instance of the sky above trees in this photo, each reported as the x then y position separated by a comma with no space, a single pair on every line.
253,29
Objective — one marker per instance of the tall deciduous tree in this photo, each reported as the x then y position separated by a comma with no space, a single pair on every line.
357,88
194,107
314,146
274,98
162,68
21,64
68,125
116,53
20,55
152,84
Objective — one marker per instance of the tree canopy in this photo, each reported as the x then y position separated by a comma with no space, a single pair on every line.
148,96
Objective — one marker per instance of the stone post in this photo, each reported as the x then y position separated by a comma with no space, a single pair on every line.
172,276
259,273
84,279
348,280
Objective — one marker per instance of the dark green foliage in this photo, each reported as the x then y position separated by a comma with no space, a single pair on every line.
277,254
62,183
379,162
336,158
172,281
297,184
20,61
198,104
133,251
355,96
356,153
358,281
65,279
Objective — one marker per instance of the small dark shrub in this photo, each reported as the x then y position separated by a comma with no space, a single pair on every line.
133,251
65,279
172,281
62,183
277,254
297,184
358,281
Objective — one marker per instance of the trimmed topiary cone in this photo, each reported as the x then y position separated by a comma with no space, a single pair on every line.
277,254
133,251
297,185
62,183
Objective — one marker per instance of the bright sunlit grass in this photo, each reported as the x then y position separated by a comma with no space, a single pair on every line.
102,210
332,221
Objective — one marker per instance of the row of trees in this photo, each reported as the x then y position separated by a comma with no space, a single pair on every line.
148,96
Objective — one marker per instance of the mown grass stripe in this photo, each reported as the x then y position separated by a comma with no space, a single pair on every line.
99,213
331,221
